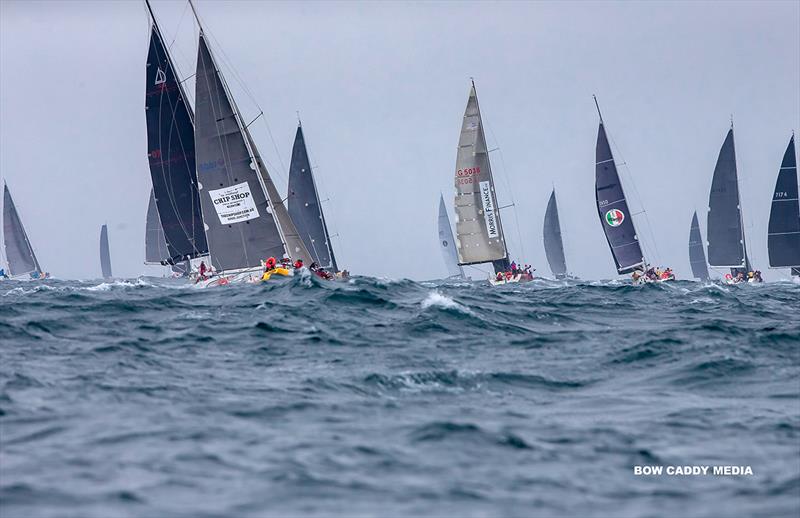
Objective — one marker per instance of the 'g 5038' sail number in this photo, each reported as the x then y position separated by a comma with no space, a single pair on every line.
466,175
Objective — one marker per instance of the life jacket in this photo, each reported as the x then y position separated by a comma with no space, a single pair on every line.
298,264
270,263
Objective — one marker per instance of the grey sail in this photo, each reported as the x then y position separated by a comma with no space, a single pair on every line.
697,255
447,243
305,208
553,244
19,252
783,233
726,244
612,208
240,225
105,253
479,231
155,245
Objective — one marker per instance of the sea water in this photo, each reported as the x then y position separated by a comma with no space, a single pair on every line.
378,397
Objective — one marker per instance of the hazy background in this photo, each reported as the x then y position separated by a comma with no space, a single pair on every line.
381,88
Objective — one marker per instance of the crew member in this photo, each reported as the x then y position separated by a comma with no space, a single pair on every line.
203,269
298,264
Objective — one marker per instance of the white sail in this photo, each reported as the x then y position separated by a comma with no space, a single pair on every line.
447,243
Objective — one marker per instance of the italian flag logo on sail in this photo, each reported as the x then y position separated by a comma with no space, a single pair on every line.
615,217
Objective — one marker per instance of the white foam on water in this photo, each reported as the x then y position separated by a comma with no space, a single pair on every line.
436,299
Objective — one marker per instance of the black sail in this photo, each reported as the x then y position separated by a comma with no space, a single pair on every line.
171,153
19,252
615,217
553,244
155,245
783,237
105,254
305,208
241,228
697,255
726,245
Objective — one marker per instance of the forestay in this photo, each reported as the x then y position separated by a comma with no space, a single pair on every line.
447,243
105,253
479,231
697,255
553,244
783,238
18,249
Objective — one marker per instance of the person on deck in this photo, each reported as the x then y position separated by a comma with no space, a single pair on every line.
3,274
298,264
499,276
757,276
202,270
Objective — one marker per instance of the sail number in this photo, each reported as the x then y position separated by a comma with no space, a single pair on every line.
781,194
466,175
602,203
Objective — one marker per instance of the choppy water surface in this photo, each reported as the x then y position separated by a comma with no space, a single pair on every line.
149,398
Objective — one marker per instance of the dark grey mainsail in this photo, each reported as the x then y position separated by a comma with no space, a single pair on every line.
697,255
171,154
479,231
726,243
447,242
241,229
615,216
105,254
305,208
553,244
18,250
155,245
783,237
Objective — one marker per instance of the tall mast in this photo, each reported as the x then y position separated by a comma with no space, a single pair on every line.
739,195
169,58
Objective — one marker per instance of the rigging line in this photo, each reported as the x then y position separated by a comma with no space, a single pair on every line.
318,183
511,195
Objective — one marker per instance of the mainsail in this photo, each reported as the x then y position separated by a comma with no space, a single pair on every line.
305,208
447,243
697,255
726,244
783,237
615,216
155,245
171,153
553,244
18,249
479,232
105,254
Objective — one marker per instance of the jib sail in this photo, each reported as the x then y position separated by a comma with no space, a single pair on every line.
447,243
18,250
553,244
697,255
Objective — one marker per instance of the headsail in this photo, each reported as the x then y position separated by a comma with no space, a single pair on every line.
697,255
18,249
479,231
305,208
155,245
726,244
447,243
783,238
553,244
171,153
105,254
615,216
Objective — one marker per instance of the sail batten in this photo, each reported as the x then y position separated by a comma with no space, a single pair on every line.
697,255
18,250
612,209
447,243
479,230
105,253
553,243
783,233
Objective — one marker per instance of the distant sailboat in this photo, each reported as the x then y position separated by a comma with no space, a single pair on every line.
697,255
105,254
553,244
171,156
305,208
246,221
21,261
447,243
727,247
479,230
783,238
612,208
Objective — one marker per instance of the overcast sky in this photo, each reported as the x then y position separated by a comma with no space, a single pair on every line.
381,88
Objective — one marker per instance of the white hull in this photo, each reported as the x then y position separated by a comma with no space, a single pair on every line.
520,277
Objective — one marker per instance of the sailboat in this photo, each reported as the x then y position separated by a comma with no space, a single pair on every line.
105,254
305,209
447,244
783,234
246,221
612,208
479,230
697,254
174,201
727,247
155,244
553,244
20,260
